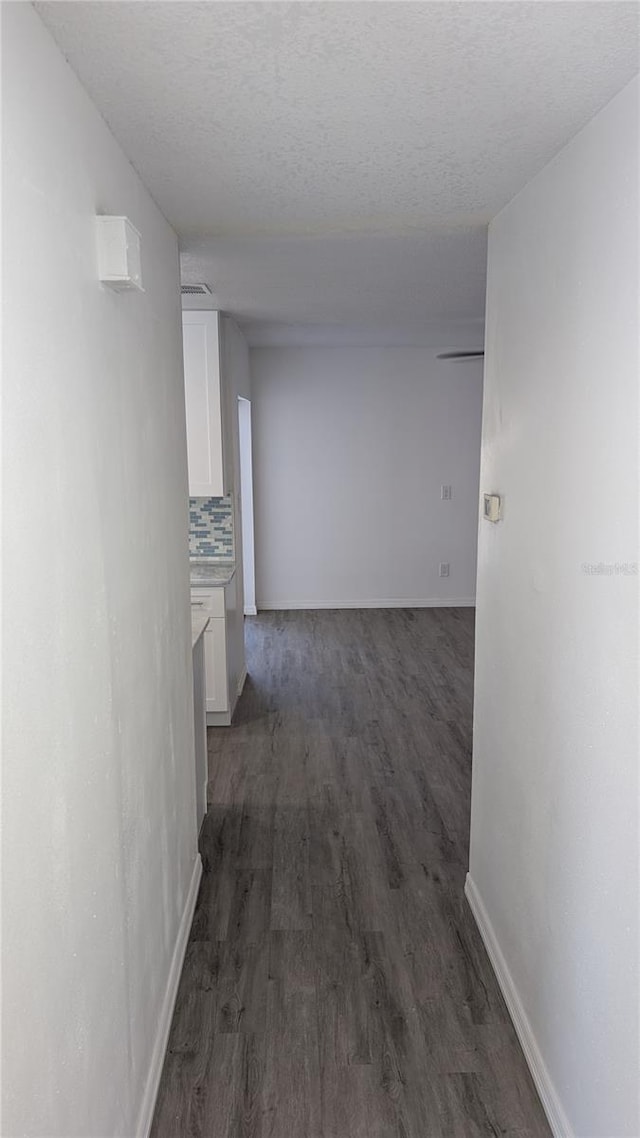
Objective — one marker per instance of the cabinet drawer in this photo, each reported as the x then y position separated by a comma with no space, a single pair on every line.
210,601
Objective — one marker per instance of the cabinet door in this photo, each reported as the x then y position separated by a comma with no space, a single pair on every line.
203,401
235,637
200,730
215,666
228,403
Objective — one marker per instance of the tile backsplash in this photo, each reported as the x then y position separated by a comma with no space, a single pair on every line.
211,528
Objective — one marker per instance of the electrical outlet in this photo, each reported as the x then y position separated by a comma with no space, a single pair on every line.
444,568
446,493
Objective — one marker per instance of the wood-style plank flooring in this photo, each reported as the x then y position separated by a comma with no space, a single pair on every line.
335,985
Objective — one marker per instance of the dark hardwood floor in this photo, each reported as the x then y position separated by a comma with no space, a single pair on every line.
335,985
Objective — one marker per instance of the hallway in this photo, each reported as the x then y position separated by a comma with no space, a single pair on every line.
335,985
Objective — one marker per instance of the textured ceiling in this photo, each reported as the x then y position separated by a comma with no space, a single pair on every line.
338,162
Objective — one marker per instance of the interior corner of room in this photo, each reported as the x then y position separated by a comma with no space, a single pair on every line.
320,554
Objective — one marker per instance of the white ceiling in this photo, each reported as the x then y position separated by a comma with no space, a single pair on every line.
336,163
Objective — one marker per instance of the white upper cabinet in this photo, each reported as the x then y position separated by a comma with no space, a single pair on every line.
204,398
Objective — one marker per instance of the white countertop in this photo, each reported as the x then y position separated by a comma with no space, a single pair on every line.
198,624
210,574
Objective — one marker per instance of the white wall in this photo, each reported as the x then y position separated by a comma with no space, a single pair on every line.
99,842
351,446
554,841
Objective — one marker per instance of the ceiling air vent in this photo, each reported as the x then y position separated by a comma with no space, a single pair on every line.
195,290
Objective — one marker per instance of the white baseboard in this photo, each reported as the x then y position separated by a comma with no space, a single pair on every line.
553,1109
384,603
242,680
250,610
145,1116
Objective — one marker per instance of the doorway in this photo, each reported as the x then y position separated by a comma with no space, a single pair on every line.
246,507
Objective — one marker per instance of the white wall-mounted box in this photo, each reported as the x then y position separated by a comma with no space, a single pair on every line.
492,507
119,262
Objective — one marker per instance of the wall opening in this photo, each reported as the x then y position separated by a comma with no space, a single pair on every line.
246,507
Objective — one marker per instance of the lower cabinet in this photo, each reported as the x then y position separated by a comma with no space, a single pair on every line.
215,663
223,650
